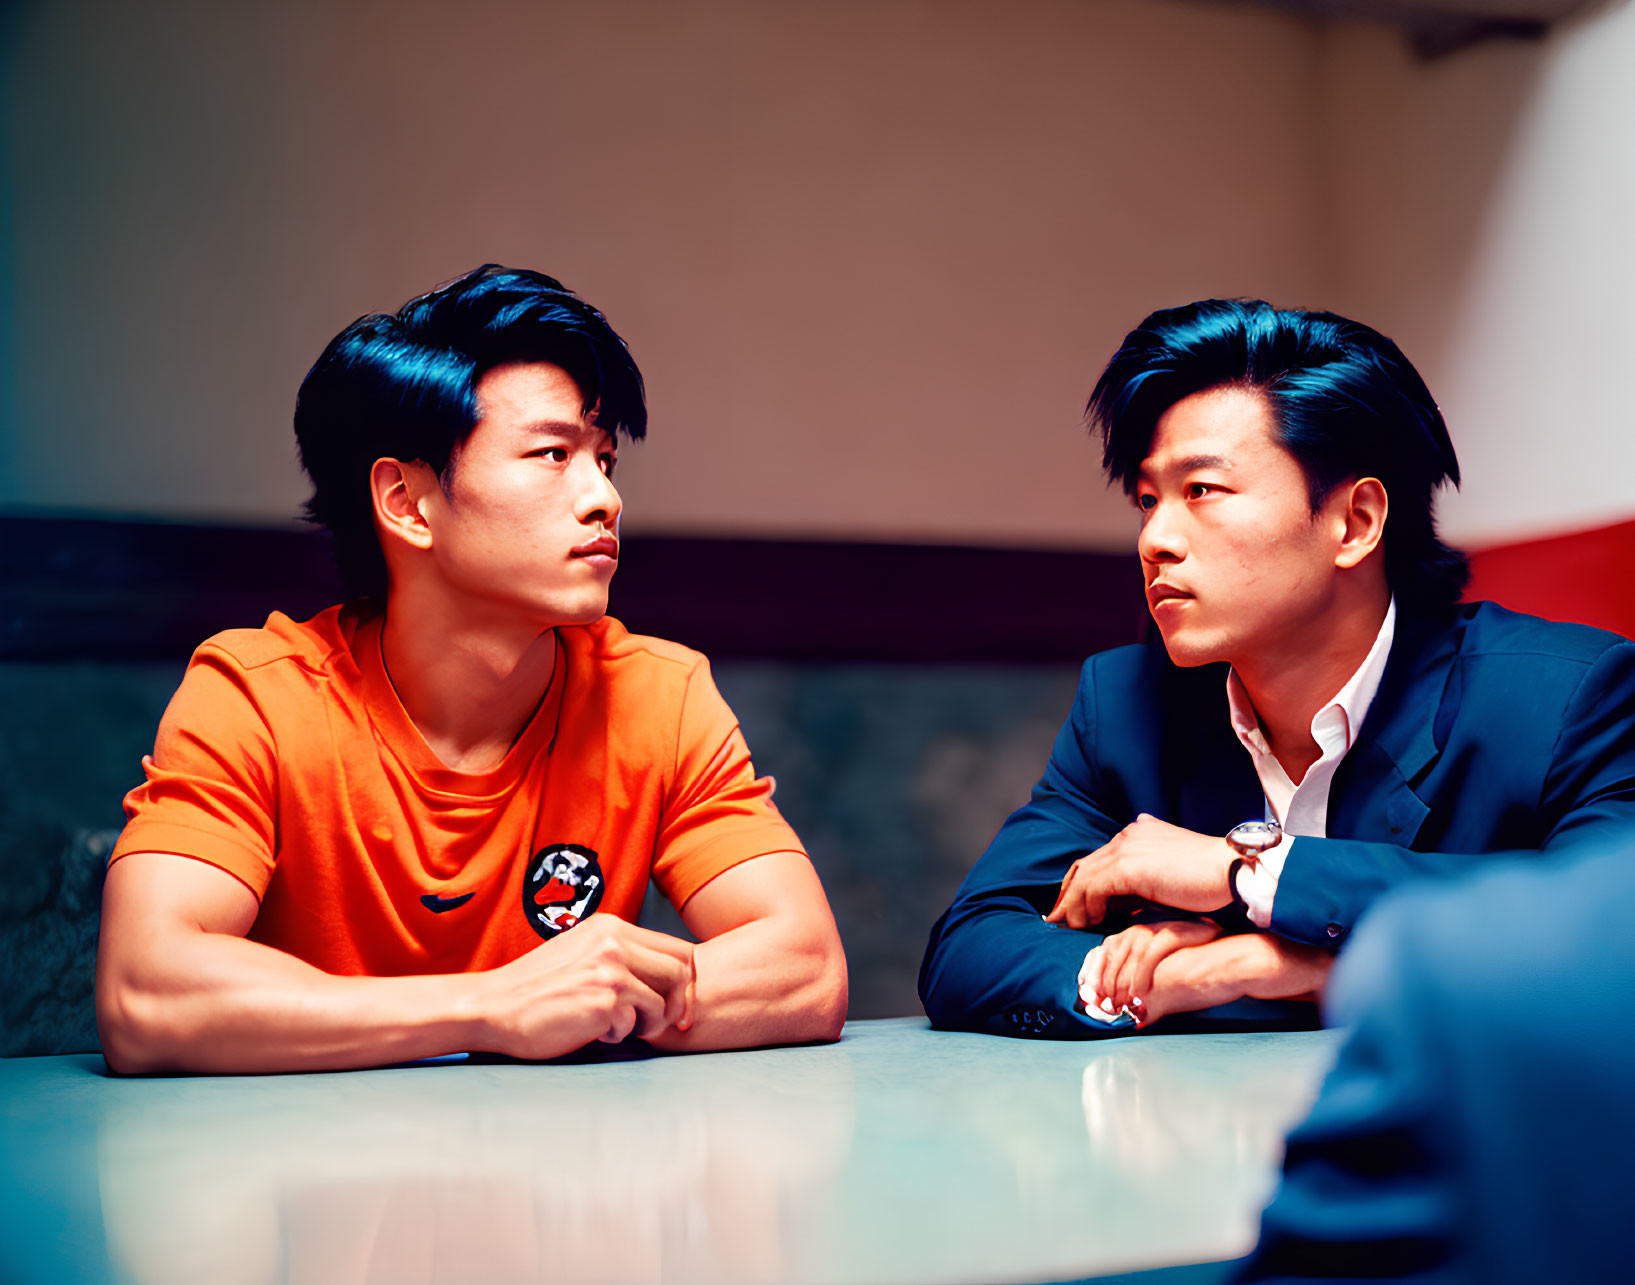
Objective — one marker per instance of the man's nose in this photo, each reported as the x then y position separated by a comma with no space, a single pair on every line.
1161,539
599,498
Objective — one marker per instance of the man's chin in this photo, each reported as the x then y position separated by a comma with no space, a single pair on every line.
1188,653
575,614
549,611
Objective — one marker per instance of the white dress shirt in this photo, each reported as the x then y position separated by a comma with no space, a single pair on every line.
1303,809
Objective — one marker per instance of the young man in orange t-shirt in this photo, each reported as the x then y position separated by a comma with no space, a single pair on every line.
424,821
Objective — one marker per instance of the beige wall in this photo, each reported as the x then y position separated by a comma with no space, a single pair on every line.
869,253
1485,209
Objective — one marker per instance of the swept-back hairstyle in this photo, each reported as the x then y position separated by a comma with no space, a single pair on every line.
403,385
1344,400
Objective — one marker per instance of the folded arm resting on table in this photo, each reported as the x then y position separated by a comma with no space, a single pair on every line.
1007,951
179,986
1156,970
1484,773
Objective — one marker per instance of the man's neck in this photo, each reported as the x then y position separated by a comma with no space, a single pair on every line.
1289,686
469,686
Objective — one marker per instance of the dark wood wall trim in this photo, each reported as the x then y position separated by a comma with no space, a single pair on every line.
81,588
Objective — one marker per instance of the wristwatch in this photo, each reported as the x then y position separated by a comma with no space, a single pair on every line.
1248,839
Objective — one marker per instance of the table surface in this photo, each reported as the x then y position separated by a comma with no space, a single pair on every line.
900,1154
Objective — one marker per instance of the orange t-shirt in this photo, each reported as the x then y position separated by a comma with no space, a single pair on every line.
286,759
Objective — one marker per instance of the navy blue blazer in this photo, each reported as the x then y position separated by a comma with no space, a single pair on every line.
1479,1119
1490,731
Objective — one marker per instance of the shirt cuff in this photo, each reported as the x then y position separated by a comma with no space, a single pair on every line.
1257,883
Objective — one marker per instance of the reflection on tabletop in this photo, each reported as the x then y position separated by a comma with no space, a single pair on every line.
562,1173
1044,1160
1179,1139
899,1155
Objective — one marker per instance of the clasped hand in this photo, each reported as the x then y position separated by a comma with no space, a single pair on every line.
1148,858
604,979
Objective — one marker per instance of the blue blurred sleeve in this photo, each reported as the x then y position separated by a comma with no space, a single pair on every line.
1478,1120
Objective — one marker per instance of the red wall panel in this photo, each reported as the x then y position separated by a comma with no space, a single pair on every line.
1585,576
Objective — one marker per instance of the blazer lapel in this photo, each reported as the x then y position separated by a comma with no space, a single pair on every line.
1373,798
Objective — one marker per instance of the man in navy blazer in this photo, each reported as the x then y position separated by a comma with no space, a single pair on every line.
1478,1121
1321,722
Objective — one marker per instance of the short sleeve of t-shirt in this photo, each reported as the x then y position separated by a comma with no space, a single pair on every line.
717,813
212,779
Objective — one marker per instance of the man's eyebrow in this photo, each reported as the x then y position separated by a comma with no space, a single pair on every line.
1190,464
564,428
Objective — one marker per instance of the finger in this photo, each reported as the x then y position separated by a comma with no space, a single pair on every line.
1066,909
1130,969
1142,975
650,1007
689,1008
665,972
678,1007
1091,997
1116,986
1112,949
664,943
1056,911
620,1024
1129,943
1073,909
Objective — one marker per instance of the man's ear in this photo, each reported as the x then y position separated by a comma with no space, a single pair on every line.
399,491
1366,507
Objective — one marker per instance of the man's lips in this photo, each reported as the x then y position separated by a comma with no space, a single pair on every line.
1157,593
601,547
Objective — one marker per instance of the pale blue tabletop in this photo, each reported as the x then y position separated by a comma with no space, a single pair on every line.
900,1154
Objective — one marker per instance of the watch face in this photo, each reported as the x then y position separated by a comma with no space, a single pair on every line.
1252,837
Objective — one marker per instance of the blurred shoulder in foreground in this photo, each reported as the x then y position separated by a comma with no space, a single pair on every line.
1478,1123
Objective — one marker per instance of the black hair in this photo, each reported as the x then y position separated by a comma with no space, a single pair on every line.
403,386
1344,401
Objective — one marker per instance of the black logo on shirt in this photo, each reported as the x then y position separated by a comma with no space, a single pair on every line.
437,905
563,885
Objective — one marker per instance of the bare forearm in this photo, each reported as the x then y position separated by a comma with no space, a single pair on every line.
1252,965
1201,976
218,1003
180,987
766,982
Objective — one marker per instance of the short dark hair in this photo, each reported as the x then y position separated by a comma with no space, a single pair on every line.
404,385
1345,403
